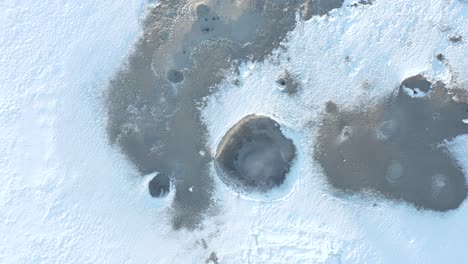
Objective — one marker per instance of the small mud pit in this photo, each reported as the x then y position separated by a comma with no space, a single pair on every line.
456,39
416,86
175,76
288,83
397,147
440,57
254,154
203,11
213,259
159,186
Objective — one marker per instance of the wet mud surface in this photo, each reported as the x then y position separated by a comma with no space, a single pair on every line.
254,154
398,147
185,49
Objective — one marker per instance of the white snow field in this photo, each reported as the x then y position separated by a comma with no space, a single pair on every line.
67,196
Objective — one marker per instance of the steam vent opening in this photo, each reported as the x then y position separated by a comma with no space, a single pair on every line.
254,155
397,147
159,186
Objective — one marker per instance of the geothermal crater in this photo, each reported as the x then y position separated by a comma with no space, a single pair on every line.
254,154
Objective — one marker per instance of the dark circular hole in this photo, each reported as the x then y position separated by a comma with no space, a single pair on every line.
254,154
202,10
330,107
175,76
206,29
440,57
159,185
418,82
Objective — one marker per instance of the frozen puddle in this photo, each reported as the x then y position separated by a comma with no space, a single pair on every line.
397,146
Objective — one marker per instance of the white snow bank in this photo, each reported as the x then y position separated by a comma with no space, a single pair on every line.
66,196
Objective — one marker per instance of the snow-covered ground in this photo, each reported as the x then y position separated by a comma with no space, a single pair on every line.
67,196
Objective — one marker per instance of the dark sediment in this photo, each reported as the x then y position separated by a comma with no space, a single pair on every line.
397,148
254,154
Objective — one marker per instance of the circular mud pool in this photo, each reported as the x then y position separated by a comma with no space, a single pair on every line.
159,186
175,76
254,154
